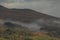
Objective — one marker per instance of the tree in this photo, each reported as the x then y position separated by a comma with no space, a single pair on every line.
9,24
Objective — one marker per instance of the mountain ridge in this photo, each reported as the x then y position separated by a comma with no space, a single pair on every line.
23,15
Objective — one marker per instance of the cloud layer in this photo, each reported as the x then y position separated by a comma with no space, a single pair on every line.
50,7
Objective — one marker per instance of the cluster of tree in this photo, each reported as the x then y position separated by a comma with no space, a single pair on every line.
52,30
9,24
13,32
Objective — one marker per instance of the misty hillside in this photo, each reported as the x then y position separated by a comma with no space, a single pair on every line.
28,18
23,15
27,24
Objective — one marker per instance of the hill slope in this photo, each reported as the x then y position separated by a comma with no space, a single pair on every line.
23,15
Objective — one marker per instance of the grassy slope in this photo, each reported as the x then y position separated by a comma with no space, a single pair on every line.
23,34
42,36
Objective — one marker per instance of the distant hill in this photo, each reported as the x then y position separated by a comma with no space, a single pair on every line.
23,15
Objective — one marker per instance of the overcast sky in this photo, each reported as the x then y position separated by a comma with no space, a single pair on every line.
51,7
